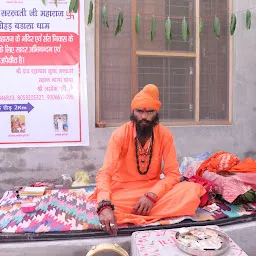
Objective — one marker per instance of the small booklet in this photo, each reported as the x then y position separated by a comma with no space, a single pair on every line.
32,191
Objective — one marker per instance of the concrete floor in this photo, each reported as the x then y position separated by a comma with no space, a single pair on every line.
243,234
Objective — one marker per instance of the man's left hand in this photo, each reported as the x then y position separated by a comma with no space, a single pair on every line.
144,205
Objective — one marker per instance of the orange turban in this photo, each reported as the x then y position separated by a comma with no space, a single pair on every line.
148,97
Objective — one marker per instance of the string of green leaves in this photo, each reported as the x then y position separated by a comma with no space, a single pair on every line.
74,5
168,25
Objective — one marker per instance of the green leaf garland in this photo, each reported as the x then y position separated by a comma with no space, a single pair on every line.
168,30
185,30
216,26
104,13
90,16
153,28
75,9
248,19
120,21
233,24
201,25
138,23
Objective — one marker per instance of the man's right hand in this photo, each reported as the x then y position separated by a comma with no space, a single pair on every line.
108,221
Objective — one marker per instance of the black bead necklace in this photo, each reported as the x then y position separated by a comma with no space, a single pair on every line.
137,157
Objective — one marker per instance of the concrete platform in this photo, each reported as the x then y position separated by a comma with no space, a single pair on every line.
243,234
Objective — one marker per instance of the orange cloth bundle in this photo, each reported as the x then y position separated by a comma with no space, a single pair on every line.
248,165
219,162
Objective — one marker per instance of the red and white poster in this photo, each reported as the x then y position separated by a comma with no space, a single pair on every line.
43,93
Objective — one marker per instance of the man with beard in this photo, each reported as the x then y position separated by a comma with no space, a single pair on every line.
129,188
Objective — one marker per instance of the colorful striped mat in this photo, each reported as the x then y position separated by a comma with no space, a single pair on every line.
69,210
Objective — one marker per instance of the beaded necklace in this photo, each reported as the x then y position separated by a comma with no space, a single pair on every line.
149,152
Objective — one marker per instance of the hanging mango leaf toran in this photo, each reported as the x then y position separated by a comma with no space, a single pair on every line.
120,21
138,23
105,16
153,28
74,5
201,26
216,26
248,19
90,16
75,9
233,24
168,30
185,30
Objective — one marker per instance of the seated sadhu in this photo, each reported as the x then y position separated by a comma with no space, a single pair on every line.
128,185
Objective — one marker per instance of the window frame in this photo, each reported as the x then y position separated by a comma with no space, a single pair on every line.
136,53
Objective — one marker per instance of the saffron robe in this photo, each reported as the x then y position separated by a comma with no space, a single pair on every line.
118,179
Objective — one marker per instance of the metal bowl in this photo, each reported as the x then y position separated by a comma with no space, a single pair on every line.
224,247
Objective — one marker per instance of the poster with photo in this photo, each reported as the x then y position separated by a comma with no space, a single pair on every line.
43,94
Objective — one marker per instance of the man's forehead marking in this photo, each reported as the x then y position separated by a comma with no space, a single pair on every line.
145,109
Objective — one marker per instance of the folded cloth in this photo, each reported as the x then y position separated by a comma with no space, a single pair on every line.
209,187
231,187
187,161
192,168
247,178
248,165
221,161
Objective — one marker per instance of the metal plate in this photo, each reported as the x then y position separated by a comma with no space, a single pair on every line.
224,248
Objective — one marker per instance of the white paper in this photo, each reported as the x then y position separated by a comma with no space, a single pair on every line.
43,95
